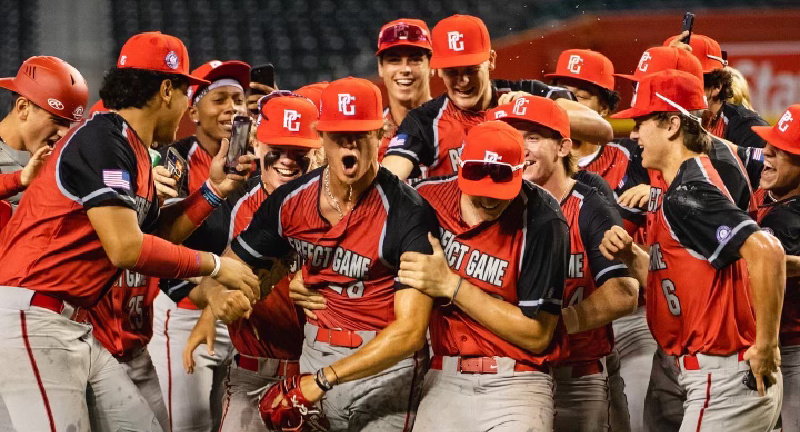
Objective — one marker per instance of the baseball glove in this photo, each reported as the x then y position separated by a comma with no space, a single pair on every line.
295,413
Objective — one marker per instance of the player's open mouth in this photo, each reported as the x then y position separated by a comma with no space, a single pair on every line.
404,82
464,93
286,174
349,164
226,125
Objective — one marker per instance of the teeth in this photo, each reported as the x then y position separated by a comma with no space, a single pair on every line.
285,172
404,82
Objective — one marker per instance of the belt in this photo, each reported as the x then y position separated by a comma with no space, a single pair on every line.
485,365
339,338
186,303
691,362
592,367
56,305
285,368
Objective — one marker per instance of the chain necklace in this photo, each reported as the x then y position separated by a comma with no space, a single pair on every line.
333,200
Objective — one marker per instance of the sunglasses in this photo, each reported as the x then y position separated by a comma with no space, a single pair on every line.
499,172
404,32
299,156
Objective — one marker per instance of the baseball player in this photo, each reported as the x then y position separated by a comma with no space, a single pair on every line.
597,290
212,109
83,222
700,307
349,222
429,140
404,55
268,344
497,272
779,214
48,94
725,119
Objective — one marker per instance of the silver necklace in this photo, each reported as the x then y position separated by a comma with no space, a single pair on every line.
333,200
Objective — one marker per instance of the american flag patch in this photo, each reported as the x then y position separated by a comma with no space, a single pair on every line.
119,179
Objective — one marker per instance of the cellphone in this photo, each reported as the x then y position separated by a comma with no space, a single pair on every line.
176,165
749,380
240,138
688,23
264,74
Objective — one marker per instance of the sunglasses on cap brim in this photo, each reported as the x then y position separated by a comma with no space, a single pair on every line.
499,172
402,32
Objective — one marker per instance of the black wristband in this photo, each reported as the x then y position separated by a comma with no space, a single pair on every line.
322,380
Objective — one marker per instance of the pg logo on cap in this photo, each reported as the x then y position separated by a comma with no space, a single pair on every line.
346,106
643,61
519,106
172,60
455,41
574,65
783,123
290,120
491,156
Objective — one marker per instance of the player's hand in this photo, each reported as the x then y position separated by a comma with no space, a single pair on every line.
617,244
226,183
165,185
307,298
34,165
229,305
252,99
204,332
430,274
511,97
677,42
635,197
764,362
237,275
269,278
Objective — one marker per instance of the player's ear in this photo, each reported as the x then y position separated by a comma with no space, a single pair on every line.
194,114
23,107
492,60
166,91
565,148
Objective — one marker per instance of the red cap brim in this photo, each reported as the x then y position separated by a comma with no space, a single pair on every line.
238,71
193,80
310,143
349,125
8,84
553,75
631,113
418,44
485,187
459,60
627,77
769,135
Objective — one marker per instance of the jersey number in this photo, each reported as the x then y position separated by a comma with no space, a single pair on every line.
577,297
135,315
673,302
354,290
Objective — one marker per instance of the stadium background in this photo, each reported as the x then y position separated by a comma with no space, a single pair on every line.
315,40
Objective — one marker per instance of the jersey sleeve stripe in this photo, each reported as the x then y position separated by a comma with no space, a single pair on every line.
102,191
61,187
620,148
608,269
539,302
292,195
249,249
411,155
176,287
235,210
385,202
724,242
436,132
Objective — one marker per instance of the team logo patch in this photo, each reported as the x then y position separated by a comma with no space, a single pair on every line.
77,112
519,106
172,60
575,63
491,156
783,123
118,179
55,104
122,60
643,61
346,106
723,233
455,41
500,114
290,120
398,140
215,64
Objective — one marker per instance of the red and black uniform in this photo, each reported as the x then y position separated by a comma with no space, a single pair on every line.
431,135
734,123
278,323
610,162
49,245
782,219
389,131
521,257
589,216
698,294
753,160
354,263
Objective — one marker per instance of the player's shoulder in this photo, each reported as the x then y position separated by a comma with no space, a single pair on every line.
534,87
595,181
183,146
541,205
396,191
588,194
250,187
784,213
743,114
427,112
102,134
294,187
621,147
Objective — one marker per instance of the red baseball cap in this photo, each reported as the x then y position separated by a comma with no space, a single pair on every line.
313,92
404,32
53,85
289,121
785,135
217,70
158,52
657,59
585,65
460,40
542,111
493,142
350,105
706,50
669,90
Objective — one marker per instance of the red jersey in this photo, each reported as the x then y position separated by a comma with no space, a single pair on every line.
610,162
520,257
389,131
49,245
782,219
698,293
589,216
278,323
354,263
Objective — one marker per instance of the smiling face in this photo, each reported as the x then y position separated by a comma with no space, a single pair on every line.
544,151
174,103
281,164
470,87
351,154
781,173
654,141
406,73
214,111
487,209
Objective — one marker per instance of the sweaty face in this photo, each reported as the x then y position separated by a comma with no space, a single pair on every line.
215,111
167,127
41,128
282,164
351,154
406,73
468,86
781,173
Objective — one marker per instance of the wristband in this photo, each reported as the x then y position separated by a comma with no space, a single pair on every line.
211,194
322,381
201,203
455,293
217,265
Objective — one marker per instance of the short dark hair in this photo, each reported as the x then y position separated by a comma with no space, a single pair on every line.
424,51
609,98
133,88
695,138
722,79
